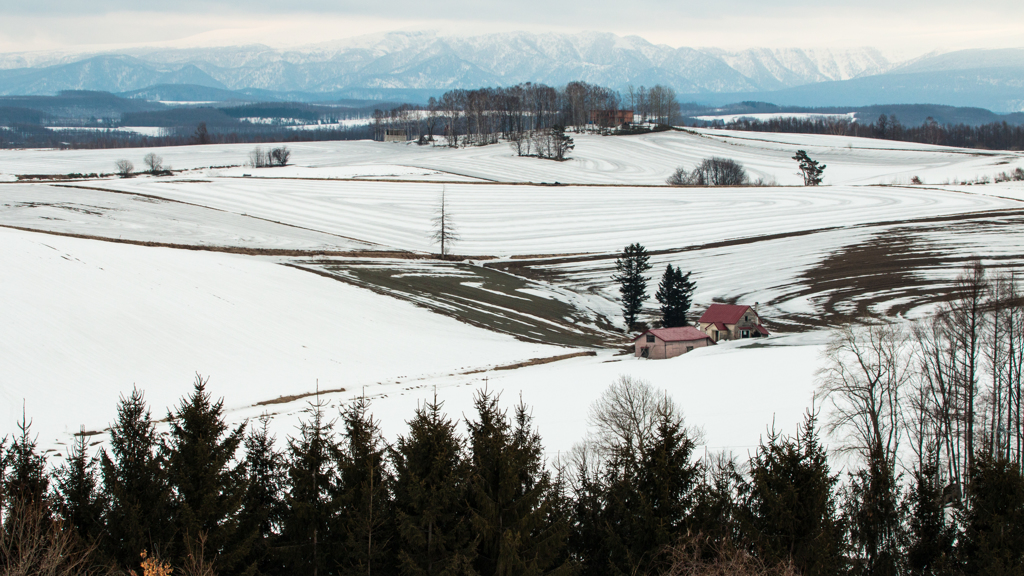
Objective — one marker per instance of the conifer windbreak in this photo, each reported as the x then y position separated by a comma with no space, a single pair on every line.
134,482
77,498
207,485
789,510
366,521
25,478
311,504
263,507
675,294
434,536
510,495
630,267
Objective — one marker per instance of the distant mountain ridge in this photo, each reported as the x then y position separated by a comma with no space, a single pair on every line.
417,64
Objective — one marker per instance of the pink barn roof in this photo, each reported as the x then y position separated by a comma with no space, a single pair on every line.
681,334
724,313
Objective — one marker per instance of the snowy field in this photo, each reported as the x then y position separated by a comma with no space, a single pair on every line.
83,319
623,160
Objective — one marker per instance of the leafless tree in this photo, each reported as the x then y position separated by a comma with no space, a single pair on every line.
444,230
33,544
866,374
952,358
625,418
279,156
153,162
124,167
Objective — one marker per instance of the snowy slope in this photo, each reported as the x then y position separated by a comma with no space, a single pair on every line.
645,159
508,220
84,321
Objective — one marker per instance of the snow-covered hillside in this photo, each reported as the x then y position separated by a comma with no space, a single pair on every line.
622,160
319,272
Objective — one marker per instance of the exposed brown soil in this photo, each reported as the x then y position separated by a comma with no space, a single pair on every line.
536,362
294,397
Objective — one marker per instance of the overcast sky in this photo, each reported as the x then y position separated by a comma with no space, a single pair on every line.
906,27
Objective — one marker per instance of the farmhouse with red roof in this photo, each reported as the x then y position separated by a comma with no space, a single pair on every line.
731,322
669,342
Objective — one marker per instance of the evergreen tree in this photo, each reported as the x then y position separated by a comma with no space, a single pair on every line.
587,534
77,499
810,169
263,503
874,517
931,537
26,480
789,509
630,267
138,517
993,537
510,496
648,502
675,293
431,475
311,508
367,519
206,489
716,509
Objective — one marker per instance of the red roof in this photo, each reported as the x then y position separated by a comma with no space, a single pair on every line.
720,326
725,313
681,334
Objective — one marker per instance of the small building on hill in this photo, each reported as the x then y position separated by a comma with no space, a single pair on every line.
731,322
660,343
395,135
611,118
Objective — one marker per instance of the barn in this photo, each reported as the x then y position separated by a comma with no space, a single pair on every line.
658,343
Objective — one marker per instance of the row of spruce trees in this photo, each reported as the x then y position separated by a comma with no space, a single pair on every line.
337,499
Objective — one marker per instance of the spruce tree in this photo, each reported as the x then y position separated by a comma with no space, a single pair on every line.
366,521
648,502
310,503
993,536
263,503
874,517
675,293
26,481
931,536
511,496
77,499
431,478
138,518
789,510
630,267
207,487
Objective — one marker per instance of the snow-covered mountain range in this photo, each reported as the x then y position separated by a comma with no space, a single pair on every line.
382,65
424,60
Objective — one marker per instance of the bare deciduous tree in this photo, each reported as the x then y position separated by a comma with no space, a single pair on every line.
279,156
625,418
153,162
124,167
866,373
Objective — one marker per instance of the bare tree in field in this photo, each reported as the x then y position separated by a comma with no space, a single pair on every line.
866,372
124,167
444,230
153,162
